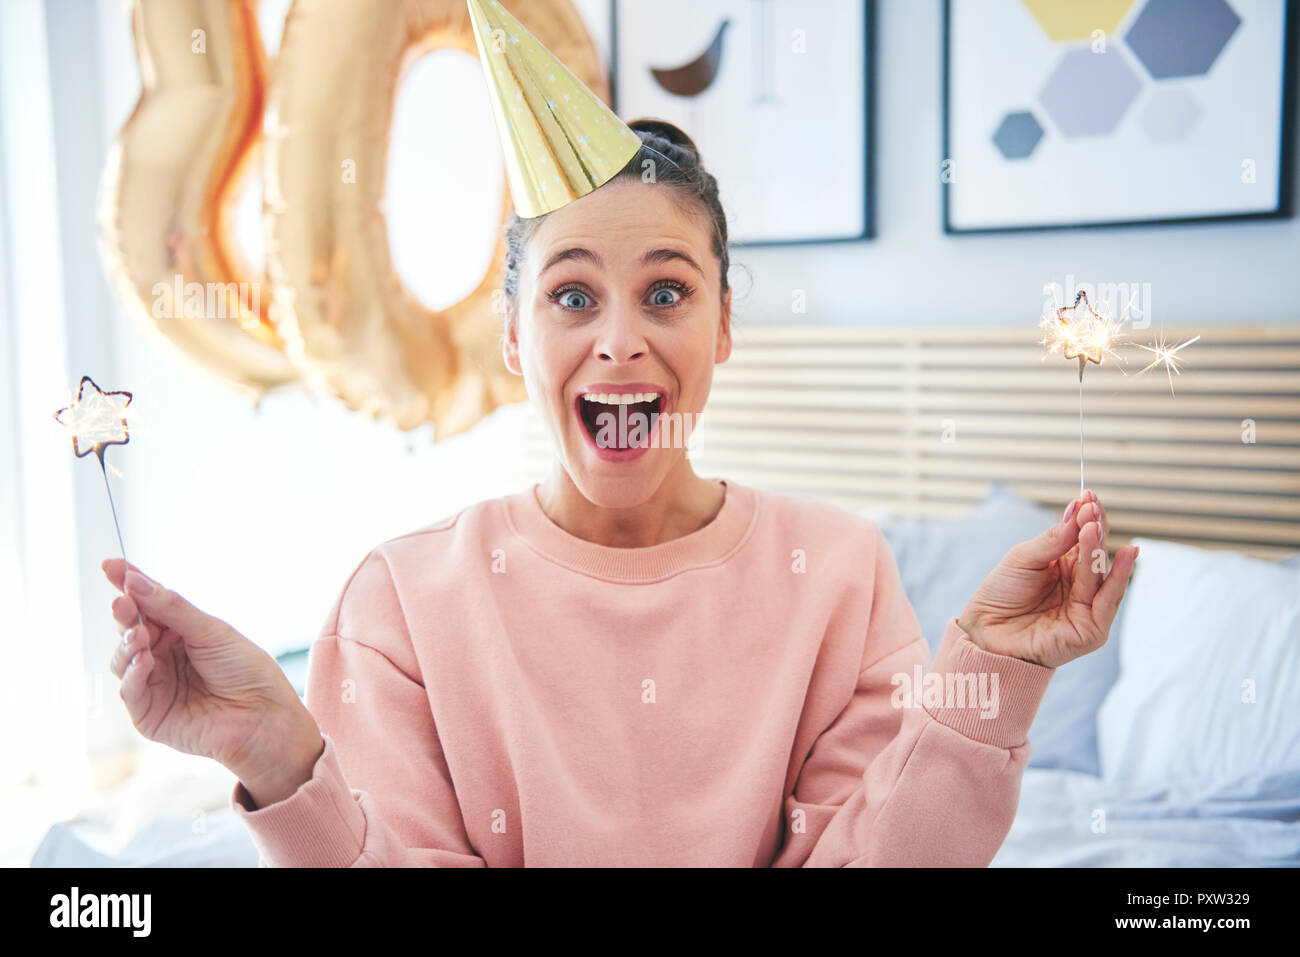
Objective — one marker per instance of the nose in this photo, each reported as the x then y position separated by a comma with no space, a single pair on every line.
621,338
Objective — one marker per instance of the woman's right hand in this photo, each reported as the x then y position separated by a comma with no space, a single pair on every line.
193,683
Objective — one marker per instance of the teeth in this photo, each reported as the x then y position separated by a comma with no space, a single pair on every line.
613,398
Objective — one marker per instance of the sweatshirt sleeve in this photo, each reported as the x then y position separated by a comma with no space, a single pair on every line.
380,794
915,777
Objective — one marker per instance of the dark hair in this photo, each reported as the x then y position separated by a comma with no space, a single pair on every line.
676,164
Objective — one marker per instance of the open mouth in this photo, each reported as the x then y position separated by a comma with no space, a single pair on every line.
624,430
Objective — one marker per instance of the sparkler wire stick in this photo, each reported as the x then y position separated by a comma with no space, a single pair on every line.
107,488
97,419
1084,335
1081,361
1081,333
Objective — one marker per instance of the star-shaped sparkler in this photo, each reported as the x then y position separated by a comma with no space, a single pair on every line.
97,419
1081,333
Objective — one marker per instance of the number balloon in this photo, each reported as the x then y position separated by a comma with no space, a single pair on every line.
331,311
171,181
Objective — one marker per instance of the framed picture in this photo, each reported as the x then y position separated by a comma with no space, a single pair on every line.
777,95
1099,114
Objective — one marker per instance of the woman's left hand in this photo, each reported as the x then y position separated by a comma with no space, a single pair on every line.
1045,605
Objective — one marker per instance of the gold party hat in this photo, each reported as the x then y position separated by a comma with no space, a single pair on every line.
559,140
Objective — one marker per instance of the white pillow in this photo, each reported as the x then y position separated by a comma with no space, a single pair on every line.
1204,630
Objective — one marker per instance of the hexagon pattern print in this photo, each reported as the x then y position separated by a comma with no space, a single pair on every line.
1102,112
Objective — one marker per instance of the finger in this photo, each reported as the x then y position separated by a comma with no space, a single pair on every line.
134,690
1101,509
1106,603
1069,559
1086,581
115,569
125,612
1092,511
169,610
1087,513
1046,548
125,649
148,634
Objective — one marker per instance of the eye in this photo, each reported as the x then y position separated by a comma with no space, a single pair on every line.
569,297
668,293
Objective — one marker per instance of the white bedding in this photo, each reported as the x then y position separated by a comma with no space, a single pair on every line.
163,842
1054,826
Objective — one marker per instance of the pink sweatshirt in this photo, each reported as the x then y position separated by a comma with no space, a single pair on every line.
493,691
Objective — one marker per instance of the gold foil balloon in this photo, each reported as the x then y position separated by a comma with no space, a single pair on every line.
170,183
330,311
347,321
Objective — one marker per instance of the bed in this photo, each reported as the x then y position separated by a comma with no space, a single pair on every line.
1177,743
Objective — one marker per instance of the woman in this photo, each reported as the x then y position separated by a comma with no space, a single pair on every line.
629,663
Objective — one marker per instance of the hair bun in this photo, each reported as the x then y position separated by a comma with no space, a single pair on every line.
662,128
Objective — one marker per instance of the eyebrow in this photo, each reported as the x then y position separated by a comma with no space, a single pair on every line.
653,256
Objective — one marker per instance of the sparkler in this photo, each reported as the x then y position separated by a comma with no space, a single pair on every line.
1081,333
97,419
1167,356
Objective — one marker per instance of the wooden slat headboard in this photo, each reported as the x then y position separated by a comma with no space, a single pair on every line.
922,420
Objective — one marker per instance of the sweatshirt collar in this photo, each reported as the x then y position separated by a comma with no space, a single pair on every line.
702,548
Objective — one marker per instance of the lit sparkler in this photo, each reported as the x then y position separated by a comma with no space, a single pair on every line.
1166,356
97,419
1083,334
1079,332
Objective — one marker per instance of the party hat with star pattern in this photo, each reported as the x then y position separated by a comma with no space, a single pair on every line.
559,140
